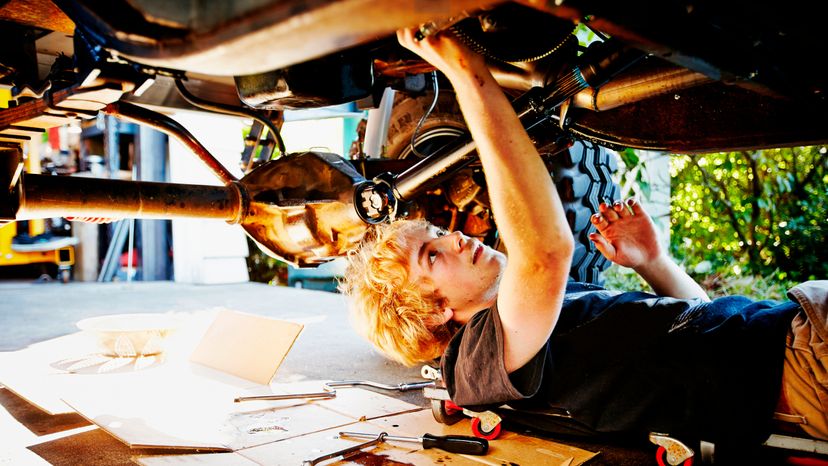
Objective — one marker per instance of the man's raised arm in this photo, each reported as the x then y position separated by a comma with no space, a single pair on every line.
524,200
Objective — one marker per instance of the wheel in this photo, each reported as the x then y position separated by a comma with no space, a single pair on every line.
443,124
478,431
445,413
65,275
661,458
298,284
582,174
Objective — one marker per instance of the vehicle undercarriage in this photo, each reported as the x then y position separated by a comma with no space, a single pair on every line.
673,76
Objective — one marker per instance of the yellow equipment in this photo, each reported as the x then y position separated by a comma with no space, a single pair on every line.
54,250
47,253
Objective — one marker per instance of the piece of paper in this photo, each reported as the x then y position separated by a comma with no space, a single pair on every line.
198,413
508,448
212,459
294,451
247,346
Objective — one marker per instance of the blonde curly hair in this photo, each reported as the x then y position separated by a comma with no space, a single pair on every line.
391,311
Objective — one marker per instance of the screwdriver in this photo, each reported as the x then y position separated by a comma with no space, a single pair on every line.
451,443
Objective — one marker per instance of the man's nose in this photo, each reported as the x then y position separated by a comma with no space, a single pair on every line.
457,239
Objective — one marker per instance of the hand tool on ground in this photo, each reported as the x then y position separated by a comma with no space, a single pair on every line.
403,387
295,396
463,444
345,453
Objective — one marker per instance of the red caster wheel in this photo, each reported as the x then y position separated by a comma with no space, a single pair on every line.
446,412
661,458
478,431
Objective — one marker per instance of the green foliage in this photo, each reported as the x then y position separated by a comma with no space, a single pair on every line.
755,287
635,179
717,284
263,268
753,212
625,279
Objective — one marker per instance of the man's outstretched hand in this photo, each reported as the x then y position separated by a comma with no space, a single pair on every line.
626,234
445,52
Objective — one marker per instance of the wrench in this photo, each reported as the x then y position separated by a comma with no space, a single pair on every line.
403,387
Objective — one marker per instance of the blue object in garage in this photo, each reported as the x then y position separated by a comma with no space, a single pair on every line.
322,278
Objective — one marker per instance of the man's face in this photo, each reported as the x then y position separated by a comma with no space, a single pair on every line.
462,270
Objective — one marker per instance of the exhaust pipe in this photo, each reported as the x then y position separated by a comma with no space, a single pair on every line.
298,208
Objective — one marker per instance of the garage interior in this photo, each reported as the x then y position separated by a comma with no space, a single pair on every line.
74,394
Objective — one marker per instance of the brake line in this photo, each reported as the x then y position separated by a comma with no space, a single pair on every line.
425,116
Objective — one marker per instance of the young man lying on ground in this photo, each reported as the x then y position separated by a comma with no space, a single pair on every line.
516,331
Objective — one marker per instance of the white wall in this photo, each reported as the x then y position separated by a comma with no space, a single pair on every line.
207,251
323,135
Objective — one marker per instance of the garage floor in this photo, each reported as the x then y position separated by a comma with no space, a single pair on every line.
327,349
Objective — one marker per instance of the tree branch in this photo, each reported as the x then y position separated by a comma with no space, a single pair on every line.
720,190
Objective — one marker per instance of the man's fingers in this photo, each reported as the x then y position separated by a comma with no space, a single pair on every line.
636,207
608,213
601,243
621,209
599,221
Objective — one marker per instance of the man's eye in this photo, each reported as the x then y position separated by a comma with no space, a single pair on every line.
441,233
432,256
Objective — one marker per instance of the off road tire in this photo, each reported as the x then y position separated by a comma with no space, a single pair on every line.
583,176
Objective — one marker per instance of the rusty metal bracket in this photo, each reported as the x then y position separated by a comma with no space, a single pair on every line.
167,125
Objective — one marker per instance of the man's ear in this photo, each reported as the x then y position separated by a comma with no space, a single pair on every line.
448,313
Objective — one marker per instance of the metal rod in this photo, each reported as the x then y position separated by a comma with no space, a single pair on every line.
231,110
46,196
295,396
392,438
632,88
403,387
167,125
429,170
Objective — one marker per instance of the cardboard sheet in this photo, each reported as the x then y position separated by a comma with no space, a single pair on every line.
510,448
248,346
31,374
294,451
199,413
209,459
352,402
46,372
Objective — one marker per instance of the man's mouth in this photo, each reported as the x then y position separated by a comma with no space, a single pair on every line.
478,250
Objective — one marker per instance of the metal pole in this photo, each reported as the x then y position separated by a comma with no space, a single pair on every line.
57,196
151,153
429,171
112,146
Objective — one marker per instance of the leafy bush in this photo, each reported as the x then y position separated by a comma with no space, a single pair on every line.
624,279
716,284
759,213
